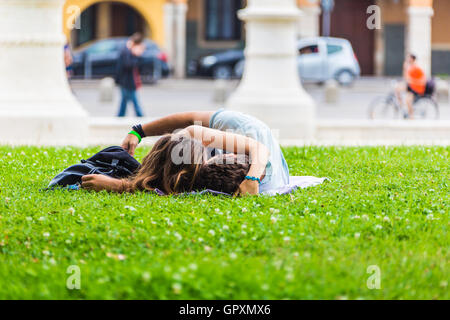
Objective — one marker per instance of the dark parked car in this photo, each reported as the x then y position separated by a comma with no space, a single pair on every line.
99,59
221,65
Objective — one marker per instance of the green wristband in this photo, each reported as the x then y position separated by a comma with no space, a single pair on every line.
136,134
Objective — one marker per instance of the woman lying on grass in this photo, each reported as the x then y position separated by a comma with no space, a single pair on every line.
183,162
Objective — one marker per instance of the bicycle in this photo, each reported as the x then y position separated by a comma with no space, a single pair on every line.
387,107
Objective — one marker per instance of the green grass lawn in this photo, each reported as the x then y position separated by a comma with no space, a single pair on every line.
384,207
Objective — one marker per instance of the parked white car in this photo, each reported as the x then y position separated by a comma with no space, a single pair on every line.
323,58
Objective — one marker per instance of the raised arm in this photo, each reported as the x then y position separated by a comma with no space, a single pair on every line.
166,125
176,121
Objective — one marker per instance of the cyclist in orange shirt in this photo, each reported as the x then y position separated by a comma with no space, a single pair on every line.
415,84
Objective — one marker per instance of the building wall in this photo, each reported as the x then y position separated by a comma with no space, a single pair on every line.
151,11
395,19
393,12
396,13
441,23
391,43
196,45
348,21
440,55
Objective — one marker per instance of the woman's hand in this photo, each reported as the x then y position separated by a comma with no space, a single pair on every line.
248,187
130,143
99,182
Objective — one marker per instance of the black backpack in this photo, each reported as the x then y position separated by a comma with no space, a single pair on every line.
113,161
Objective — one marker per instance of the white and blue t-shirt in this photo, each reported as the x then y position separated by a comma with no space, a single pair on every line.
277,171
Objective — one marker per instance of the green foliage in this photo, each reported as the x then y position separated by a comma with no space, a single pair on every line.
383,206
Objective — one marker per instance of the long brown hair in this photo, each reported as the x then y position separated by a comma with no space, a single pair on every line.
171,166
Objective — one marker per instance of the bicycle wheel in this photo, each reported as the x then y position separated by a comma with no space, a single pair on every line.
383,108
426,108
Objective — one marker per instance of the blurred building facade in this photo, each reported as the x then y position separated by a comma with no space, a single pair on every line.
416,26
187,29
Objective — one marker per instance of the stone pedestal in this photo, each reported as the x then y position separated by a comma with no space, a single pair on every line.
106,89
419,35
36,104
331,91
270,88
442,91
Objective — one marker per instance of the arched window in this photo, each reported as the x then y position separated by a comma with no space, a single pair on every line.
222,23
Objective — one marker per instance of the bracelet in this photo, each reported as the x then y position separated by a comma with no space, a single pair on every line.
138,129
253,179
136,134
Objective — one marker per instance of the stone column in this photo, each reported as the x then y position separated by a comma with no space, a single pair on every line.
180,38
418,39
169,31
309,23
36,104
270,88
103,20
379,45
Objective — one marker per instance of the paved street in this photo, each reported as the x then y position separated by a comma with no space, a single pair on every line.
171,95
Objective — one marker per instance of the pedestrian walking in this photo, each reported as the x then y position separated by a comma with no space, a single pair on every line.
128,77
